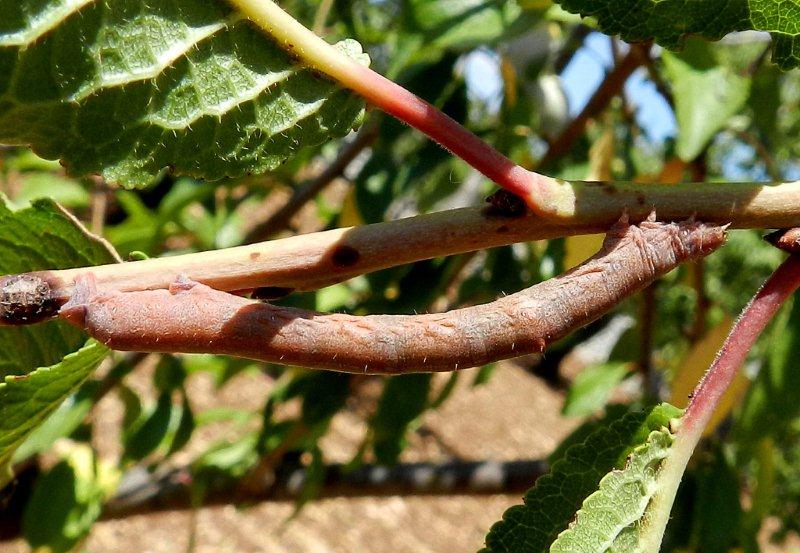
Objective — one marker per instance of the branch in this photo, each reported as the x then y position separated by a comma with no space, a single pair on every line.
311,261
173,490
194,318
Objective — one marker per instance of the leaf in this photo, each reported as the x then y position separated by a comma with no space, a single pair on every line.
126,88
573,483
62,422
593,387
669,21
146,436
26,401
403,400
67,500
707,94
40,364
40,237
461,24
611,518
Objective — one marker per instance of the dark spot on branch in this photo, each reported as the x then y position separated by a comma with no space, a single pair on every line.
254,256
502,229
505,204
266,293
26,299
345,256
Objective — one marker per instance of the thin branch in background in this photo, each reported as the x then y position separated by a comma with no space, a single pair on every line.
194,318
571,46
611,86
702,303
99,205
308,190
149,493
647,321
321,17
763,153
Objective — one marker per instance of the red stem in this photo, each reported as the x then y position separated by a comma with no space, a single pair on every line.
759,312
409,108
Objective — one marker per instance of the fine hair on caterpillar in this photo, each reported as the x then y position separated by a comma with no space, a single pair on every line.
193,318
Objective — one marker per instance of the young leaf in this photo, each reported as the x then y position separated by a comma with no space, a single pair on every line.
612,517
126,88
574,481
668,21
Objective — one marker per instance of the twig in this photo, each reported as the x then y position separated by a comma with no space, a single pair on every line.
173,490
571,46
309,189
311,261
194,318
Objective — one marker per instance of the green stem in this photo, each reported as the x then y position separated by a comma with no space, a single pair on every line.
746,204
743,203
398,102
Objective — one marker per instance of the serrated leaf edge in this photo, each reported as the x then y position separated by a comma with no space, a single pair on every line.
649,487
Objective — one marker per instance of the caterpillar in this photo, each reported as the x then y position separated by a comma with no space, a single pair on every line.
193,318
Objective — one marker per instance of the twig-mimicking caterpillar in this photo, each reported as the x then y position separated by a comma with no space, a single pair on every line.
192,317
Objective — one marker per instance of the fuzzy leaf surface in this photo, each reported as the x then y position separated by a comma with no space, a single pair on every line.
591,476
126,88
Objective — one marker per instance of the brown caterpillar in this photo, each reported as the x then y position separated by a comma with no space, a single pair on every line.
192,317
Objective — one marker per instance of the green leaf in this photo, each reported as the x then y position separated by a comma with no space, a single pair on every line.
40,364
41,237
669,21
593,388
127,88
66,501
461,23
26,401
62,422
403,400
611,518
707,94
573,483
146,436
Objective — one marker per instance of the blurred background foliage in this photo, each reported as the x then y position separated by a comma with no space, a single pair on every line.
517,73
